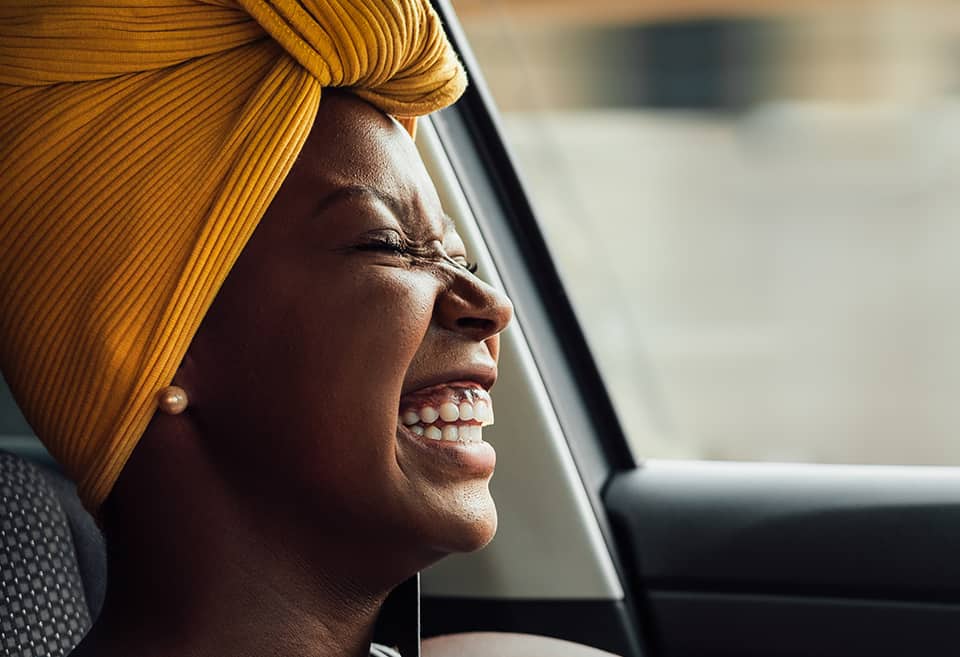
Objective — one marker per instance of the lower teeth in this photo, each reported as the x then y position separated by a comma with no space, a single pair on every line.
449,433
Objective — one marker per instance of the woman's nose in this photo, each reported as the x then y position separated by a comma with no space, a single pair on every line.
474,308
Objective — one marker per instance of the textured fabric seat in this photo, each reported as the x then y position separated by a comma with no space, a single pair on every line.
52,562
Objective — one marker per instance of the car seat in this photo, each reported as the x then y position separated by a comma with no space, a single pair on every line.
52,562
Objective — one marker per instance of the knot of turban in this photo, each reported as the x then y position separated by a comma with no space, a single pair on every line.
140,143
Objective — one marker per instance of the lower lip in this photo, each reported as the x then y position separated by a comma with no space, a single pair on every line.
477,458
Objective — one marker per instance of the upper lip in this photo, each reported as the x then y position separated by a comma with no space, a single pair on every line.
485,375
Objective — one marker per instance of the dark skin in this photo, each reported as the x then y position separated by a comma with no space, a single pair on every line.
274,516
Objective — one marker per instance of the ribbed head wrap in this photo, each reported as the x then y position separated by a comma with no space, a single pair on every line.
140,144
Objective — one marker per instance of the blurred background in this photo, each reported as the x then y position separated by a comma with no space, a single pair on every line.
755,208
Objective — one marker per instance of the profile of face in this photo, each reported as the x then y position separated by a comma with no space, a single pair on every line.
349,322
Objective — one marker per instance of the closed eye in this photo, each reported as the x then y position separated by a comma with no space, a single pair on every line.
389,241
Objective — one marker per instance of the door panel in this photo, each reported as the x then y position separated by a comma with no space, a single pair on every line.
740,625
770,559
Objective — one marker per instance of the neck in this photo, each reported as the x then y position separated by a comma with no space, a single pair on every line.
195,573
228,603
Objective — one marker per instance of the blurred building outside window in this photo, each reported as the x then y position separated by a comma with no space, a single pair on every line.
755,208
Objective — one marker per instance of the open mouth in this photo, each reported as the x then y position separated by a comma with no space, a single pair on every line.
451,412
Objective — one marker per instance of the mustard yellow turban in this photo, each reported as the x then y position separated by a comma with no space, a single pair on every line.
140,143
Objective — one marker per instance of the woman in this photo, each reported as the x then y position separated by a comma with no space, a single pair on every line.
295,469
232,306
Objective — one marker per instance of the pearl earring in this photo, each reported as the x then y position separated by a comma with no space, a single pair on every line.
172,400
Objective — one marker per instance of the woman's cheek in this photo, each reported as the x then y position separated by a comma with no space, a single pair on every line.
411,299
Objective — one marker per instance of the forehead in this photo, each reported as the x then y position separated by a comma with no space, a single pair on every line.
356,151
397,207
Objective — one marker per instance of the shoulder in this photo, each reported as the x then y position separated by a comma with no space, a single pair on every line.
499,644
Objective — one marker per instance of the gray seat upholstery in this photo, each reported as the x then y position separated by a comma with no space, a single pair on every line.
52,562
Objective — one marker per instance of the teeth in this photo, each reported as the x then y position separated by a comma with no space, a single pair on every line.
467,433
449,412
457,417
428,414
481,411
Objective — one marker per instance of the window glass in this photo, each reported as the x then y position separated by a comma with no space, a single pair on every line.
755,208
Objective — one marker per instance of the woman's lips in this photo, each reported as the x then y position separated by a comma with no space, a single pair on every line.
446,420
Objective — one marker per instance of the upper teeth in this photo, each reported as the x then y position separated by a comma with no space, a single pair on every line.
450,412
429,414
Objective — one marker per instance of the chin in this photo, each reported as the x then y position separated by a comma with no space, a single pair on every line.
474,527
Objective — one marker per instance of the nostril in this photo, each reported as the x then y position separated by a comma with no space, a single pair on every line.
476,324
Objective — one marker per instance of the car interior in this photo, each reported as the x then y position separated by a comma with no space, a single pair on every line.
642,558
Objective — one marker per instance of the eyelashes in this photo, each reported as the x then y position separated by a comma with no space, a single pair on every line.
383,246
393,244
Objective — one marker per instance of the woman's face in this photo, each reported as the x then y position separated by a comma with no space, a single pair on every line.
348,323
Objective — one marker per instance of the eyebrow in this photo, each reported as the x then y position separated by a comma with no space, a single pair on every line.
392,202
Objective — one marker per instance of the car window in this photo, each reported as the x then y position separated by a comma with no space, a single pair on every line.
754,210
